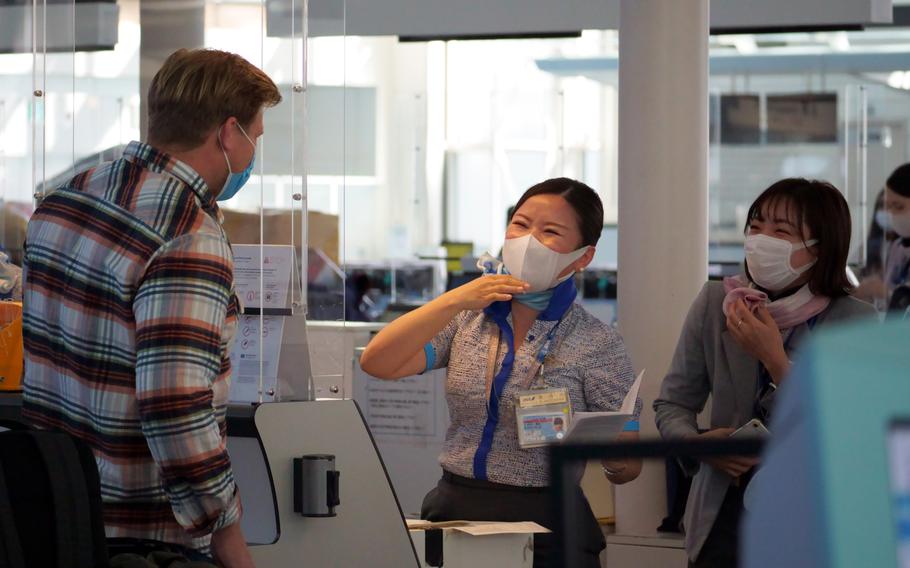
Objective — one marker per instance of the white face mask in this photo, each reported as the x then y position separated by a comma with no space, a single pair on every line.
530,260
769,261
900,224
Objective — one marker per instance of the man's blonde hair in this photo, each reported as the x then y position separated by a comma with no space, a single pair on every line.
198,89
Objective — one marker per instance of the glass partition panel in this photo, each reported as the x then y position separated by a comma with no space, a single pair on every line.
878,142
18,143
442,138
455,132
825,105
73,80
287,245
23,63
851,135
69,98
774,129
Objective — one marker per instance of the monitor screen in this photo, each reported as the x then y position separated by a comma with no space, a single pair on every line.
740,119
899,458
802,118
415,284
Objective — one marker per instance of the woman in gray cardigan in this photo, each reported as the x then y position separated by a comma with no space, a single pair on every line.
740,338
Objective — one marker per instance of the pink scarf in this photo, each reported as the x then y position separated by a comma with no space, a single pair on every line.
787,312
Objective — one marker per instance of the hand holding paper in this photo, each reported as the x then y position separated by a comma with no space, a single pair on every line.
604,426
628,405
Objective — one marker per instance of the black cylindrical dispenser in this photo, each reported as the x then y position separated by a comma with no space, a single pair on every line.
316,485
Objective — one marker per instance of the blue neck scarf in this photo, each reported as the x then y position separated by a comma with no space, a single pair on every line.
536,300
559,301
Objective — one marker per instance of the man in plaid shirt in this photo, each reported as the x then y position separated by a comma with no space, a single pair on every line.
129,308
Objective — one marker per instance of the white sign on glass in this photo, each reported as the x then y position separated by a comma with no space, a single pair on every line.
262,275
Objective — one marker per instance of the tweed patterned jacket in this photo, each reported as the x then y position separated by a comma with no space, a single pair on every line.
588,358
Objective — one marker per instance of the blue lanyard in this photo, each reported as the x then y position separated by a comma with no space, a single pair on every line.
563,298
541,356
764,377
547,345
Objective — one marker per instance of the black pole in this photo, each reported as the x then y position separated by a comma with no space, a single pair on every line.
565,502
565,505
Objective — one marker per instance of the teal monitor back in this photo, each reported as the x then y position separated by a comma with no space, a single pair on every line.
828,494
899,456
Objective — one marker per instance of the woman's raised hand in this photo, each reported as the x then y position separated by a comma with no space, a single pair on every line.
759,336
398,350
483,291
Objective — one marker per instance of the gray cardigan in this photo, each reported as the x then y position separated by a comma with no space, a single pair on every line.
708,361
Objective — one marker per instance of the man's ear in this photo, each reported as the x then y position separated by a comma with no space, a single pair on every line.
226,134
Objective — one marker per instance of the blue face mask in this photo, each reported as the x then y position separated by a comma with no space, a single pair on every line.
236,180
883,219
538,301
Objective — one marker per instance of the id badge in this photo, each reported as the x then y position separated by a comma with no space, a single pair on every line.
543,416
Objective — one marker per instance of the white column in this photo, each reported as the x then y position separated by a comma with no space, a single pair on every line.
663,205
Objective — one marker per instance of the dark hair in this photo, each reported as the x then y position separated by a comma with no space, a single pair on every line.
589,210
899,181
819,206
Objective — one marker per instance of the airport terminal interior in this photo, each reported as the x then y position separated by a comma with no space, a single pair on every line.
391,177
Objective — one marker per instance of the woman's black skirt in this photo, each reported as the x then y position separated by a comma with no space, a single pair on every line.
457,498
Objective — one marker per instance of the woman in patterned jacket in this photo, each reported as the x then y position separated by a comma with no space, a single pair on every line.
514,329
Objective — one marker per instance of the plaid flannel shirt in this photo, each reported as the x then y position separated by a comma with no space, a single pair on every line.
129,314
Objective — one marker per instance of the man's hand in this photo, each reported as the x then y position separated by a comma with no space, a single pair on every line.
230,549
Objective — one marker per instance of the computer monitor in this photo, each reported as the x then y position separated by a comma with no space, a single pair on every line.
415,283
899,461
802,118
835,475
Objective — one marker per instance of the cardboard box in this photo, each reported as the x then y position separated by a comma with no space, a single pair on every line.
477,544
278,226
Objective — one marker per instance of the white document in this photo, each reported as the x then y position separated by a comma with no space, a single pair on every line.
604,426
479,528
401,409
423,524
262,275
482,529
256,351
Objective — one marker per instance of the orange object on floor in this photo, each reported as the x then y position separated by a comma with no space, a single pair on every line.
11,355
